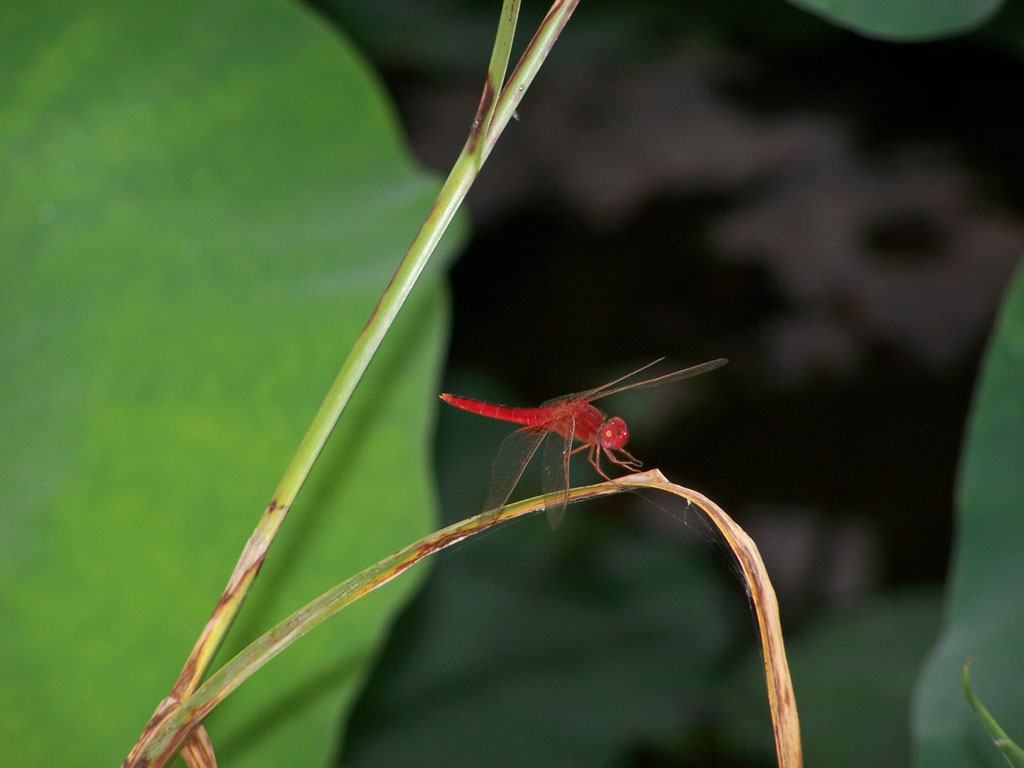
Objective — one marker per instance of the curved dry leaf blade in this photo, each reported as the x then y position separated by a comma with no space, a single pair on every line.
782,701
781,698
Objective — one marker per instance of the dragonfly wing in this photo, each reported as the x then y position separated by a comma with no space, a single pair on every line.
685,373
617,385
514,454
555,471
590,394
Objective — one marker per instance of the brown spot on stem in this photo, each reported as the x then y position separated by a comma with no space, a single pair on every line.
274,506
486,99
376,309
188,672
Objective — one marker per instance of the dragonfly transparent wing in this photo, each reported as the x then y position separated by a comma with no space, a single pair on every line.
555,471
685,373
514,454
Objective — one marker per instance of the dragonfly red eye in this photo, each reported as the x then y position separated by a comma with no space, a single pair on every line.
614,433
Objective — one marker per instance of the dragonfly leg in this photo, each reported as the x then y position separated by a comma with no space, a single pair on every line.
594,457
625,459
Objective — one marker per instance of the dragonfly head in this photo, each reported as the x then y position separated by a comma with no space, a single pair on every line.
614,433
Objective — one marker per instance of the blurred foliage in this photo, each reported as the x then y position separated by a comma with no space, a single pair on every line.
904,20
854,671
201,204
983,617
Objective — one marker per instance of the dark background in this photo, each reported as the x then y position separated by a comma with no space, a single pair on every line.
837,216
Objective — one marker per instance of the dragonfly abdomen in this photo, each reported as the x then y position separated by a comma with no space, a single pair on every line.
531,417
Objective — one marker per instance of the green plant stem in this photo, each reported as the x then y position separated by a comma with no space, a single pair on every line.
526,70
492,117
498,64
452,193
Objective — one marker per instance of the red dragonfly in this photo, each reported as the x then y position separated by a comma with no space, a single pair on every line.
565,419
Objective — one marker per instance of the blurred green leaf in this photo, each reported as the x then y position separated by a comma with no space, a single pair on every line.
201,204
984,619
1014,755
853,673
903,20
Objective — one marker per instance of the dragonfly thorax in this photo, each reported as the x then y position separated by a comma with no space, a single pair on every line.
613,434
